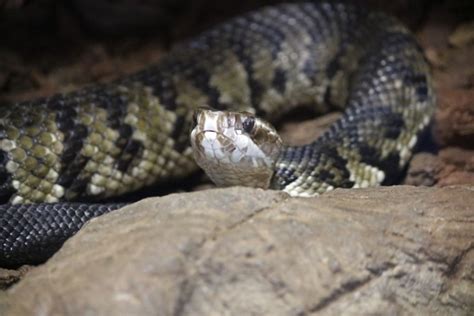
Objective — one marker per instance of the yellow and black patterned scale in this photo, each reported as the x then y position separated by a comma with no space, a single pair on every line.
110,139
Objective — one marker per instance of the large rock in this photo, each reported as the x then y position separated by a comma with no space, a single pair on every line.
391,251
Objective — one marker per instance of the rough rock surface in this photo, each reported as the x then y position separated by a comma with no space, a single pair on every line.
399,250
449,46
391,251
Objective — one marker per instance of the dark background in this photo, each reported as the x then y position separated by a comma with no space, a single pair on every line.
39,36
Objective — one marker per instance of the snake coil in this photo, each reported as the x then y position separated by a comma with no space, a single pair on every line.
106,140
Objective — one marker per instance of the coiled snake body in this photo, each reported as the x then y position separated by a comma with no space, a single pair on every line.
110,139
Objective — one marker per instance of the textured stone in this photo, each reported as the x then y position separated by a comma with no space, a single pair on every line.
424,169
452,166
455,117
447,42
389,251
9,277
393,250
463,35
458,166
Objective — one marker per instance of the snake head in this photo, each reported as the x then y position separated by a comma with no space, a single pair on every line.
235,148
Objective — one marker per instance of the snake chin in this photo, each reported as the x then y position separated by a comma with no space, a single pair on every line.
235,148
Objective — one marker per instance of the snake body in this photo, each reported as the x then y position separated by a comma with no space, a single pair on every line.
106,140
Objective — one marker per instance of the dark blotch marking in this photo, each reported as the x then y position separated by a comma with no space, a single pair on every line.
389,165
325,176
392,172
283,177
310,70
129,148
392,133
65,120
163,87
114,103
68,178
417,79
422,93
132,150
5,177
71,161
333,67
79,187
74,135
334,162
279,80
327,97
71,150
180,134
394,124
256,87
201,79
6,188
125,132
296,153
319,152
421,84
4,157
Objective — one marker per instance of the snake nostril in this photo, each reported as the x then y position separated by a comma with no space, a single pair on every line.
248,124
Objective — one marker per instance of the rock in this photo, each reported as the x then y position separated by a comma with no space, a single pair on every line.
455,117
463,35
453,176
458,166
451,166
9,277
450,54
458,157
436,58
424,169
391,250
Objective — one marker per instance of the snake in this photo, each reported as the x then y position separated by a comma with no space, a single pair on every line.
207,103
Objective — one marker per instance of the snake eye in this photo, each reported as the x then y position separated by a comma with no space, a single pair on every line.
248,124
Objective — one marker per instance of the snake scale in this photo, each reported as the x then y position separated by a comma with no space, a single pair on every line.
106,140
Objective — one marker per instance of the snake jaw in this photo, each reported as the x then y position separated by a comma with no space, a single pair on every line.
235,148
